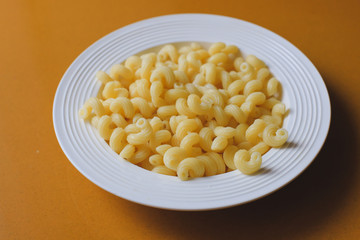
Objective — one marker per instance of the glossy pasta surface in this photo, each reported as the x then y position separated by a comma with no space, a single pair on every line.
190,112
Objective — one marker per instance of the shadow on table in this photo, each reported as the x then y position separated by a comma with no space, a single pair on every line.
294,211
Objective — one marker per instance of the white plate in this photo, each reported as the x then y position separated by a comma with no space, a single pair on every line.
304,93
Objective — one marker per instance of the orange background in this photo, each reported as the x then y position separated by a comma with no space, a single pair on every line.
42,196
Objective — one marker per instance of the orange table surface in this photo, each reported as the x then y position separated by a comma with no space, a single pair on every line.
42,196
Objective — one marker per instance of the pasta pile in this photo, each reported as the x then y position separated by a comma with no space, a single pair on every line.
189,112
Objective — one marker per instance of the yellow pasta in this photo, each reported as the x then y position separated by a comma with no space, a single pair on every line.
189,112
127,152
163,170
246,163
117,138
145,108
228,156
133,63
143,136
216,48
173,156
123,105
190,167
103,77
255,62
168,52
156,160
90,105
274,136
254,130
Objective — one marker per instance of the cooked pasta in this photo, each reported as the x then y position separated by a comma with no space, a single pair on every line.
189,112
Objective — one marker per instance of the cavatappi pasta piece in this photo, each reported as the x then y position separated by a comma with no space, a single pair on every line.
208,71
213,96
127,152
240,133
252,86
220,115
237,100
163,170
165,112
165,75
216,48
218,160
254,130
274,136
120,73
186,126
90,105
235,112
182,63
202,54
196,106
181,76
237,62
143,89
272,87
192,89
206,136
111,89
156,124
104,127
194,61
156,90
147,63
124,106
218,59
256,98
236,87
228,156
143,136
246,68
174,122
159,137
163,148
219,144
255,62
230,49
156,160
261,148
227,132
172,95
173,156
117,139
183,109
168,52
190,167
103,77
189,141
133,63
145,108
142,153
245,145
209,165
94,121
132,128
262,74
246,163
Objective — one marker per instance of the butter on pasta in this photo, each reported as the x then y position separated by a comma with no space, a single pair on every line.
189,112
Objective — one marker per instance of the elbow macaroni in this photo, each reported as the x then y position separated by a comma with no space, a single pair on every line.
189,112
